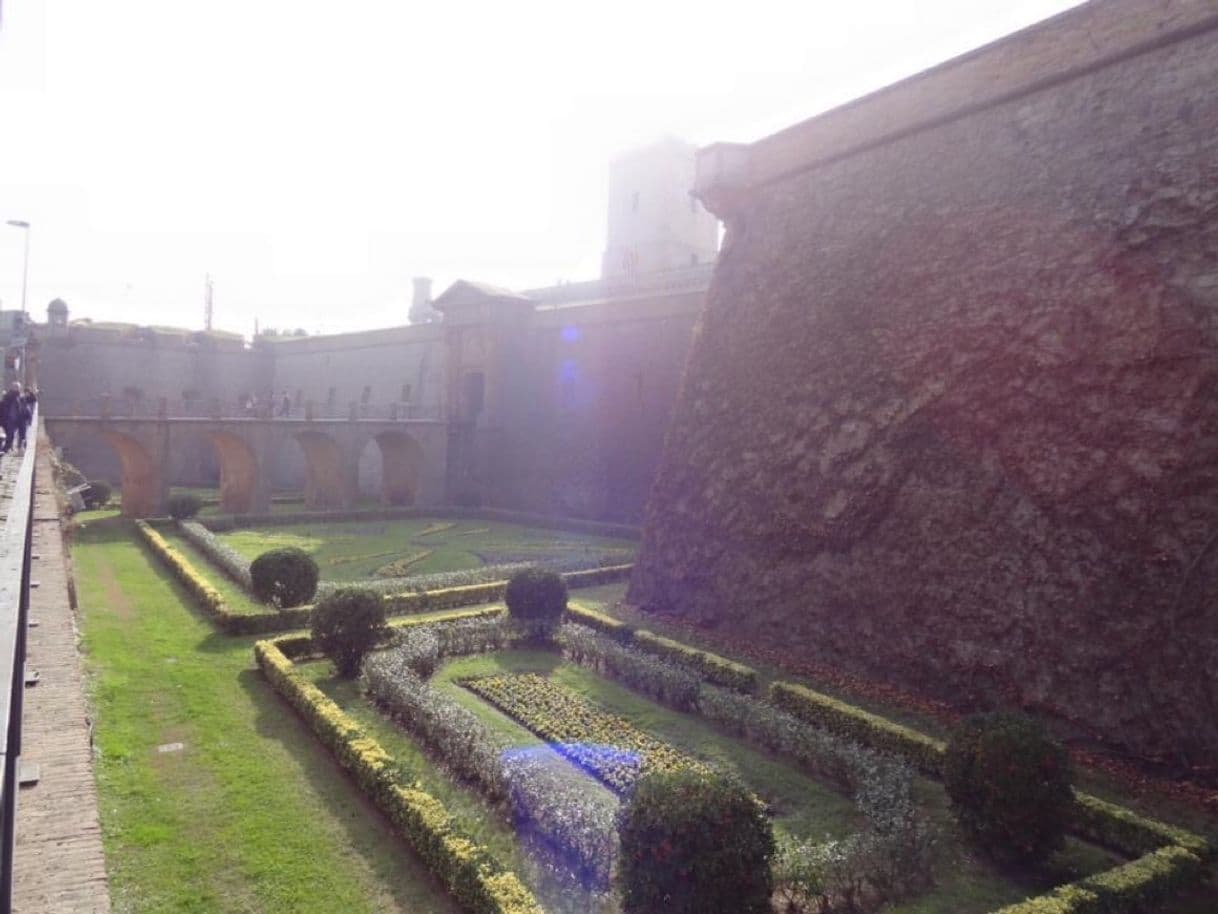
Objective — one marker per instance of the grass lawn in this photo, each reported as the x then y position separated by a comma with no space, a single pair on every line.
251,814
355,550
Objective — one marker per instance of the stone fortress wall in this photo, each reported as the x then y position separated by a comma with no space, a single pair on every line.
572,423
951,417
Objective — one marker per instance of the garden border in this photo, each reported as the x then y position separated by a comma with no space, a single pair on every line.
286,620
1165,857
475,879
224,522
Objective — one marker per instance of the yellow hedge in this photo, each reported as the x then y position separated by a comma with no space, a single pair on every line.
474,878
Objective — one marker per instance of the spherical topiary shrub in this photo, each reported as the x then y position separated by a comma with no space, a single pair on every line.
694,843
284,577
97,495
184,505
1009,785
536,600
346,625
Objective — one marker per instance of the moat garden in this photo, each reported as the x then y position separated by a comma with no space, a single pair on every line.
492,761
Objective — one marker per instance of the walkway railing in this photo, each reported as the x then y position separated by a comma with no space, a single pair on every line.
120,408
17,505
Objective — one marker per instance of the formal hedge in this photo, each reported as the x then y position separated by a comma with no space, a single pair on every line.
300,645
184,505
448,512
694,842
478,882
346,625
1009,784
284,577
711,667
1142,885
200,588
229,560
396,604
922,751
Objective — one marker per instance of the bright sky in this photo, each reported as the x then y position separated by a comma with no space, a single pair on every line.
314,156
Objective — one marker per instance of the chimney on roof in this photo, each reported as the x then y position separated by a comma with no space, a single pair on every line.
421,311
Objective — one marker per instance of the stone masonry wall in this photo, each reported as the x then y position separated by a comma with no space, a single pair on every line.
951,418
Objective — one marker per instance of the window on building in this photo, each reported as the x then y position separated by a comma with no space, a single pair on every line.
405,393
331,396
634,202
366,395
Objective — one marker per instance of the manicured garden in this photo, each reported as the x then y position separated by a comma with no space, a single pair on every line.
360,550
508,752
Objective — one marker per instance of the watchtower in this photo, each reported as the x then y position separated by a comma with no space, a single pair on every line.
654,222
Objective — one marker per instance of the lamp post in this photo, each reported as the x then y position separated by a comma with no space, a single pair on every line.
21,367
25,269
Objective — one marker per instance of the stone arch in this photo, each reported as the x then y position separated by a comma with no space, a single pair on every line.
141,483
401,467
238,471
324,477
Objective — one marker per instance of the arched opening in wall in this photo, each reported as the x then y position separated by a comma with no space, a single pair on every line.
324,484
141,477
391,466
238,472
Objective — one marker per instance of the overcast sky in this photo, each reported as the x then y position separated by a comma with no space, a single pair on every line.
314,156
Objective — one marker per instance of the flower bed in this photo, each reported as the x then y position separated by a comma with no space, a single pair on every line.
612,750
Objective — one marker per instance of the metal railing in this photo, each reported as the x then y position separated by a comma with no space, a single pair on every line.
119,408
15,552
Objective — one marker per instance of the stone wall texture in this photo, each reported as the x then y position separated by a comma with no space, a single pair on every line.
951,414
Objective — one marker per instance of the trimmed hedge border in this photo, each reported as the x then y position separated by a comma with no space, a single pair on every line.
920,750
298,617
477,881
223,557
1125,889
299,645
220,523
710,667
1167,858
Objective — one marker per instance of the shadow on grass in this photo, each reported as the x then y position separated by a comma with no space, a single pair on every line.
365,826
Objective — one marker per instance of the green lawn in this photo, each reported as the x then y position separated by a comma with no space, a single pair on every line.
251,814
355,550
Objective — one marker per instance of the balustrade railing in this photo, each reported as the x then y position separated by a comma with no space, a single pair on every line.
120,408
17,474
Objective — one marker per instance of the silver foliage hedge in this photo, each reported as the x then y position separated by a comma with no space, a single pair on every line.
890,858
229,560
570,813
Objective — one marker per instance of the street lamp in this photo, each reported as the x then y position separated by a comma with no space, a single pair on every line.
25,270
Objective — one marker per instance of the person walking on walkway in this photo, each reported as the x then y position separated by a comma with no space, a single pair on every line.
28,401
10,415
